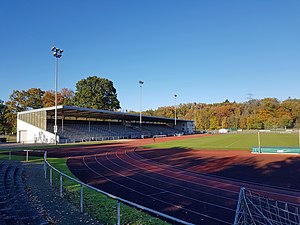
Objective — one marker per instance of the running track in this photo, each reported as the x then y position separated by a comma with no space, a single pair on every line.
141,176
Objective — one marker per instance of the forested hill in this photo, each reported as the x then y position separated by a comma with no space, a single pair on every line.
267,113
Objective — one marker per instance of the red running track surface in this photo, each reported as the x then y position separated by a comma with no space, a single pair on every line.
200,187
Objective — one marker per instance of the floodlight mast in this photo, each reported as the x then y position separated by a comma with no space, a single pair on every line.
141,101
57,53
299,137
175,96
259,145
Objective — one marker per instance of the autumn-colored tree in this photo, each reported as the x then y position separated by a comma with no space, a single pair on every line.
168,111
21,101
11,116
95,92
267,113
26,99
213,123
64,97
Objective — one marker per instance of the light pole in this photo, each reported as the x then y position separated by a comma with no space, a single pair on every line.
195,116
57,53
175,96
299,137
259,145
141,87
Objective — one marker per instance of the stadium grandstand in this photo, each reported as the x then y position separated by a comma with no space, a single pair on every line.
76,124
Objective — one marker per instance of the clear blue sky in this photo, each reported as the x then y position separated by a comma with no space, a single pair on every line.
203,51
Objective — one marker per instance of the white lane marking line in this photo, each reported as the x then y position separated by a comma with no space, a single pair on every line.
262,187
165,202
176,178
162,192
161,189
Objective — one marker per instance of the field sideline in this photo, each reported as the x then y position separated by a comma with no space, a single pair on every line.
231,141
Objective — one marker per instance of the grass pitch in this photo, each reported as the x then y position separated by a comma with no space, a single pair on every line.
241,141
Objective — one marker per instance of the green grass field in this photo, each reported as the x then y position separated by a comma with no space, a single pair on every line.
231,141
9,138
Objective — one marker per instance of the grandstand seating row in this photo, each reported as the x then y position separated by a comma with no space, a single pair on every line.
15,206
79,130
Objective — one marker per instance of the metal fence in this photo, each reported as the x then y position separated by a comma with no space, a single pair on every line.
48,166
49,174
92,138
22,154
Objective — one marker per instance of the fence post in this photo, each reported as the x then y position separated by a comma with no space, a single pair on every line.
45,164
9,155
60,186
81,198
119,212
50,177
45,170
27,156
238,207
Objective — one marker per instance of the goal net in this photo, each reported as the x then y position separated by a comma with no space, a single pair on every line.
252,208
278,142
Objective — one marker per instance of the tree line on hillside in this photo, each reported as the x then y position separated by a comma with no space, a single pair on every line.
99,93
92,92
267,113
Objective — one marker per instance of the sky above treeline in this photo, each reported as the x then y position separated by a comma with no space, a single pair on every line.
202,51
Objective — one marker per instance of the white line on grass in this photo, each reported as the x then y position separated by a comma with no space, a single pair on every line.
232,143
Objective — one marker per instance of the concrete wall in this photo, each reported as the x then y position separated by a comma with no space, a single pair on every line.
186,127
27,133
190,127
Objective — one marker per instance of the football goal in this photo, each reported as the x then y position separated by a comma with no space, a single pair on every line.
278,142
253,208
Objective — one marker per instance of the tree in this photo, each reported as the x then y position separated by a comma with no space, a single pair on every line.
67,95
267,113
11,116
214,123
26,99
64,97
167,111
97,93
33,98
291,107
22,101
3,124
149,112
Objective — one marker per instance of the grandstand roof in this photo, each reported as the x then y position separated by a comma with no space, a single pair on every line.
72,111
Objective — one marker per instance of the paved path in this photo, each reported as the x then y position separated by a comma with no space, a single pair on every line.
54,208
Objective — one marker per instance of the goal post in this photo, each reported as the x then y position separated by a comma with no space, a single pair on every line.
253,208
291,147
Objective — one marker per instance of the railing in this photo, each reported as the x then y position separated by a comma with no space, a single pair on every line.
26,154
90,139
118,199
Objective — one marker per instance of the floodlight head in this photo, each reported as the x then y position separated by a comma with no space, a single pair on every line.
175,96
141,82
57,52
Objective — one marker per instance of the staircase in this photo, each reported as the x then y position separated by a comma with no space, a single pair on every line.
15,206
